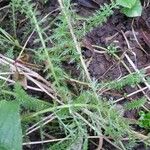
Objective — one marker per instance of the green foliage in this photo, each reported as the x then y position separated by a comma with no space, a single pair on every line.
10,127
25,7
61,145
126,3
144,120
100,16
112,49
86,111
135,104
129,80
70,144
131,8
80,113
7,42
116,126
27,101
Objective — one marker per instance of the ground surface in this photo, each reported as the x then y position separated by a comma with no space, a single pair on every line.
102,66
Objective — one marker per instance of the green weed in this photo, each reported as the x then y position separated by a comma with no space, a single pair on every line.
76,115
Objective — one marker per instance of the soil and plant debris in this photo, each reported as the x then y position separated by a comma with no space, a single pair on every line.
74,74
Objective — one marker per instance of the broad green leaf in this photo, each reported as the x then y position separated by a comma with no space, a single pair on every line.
135,11
126,3
10,127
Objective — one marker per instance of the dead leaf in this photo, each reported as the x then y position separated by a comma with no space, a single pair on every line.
86,43
18,77
24,59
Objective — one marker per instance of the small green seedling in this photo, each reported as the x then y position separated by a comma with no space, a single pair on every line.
131,8
144,120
